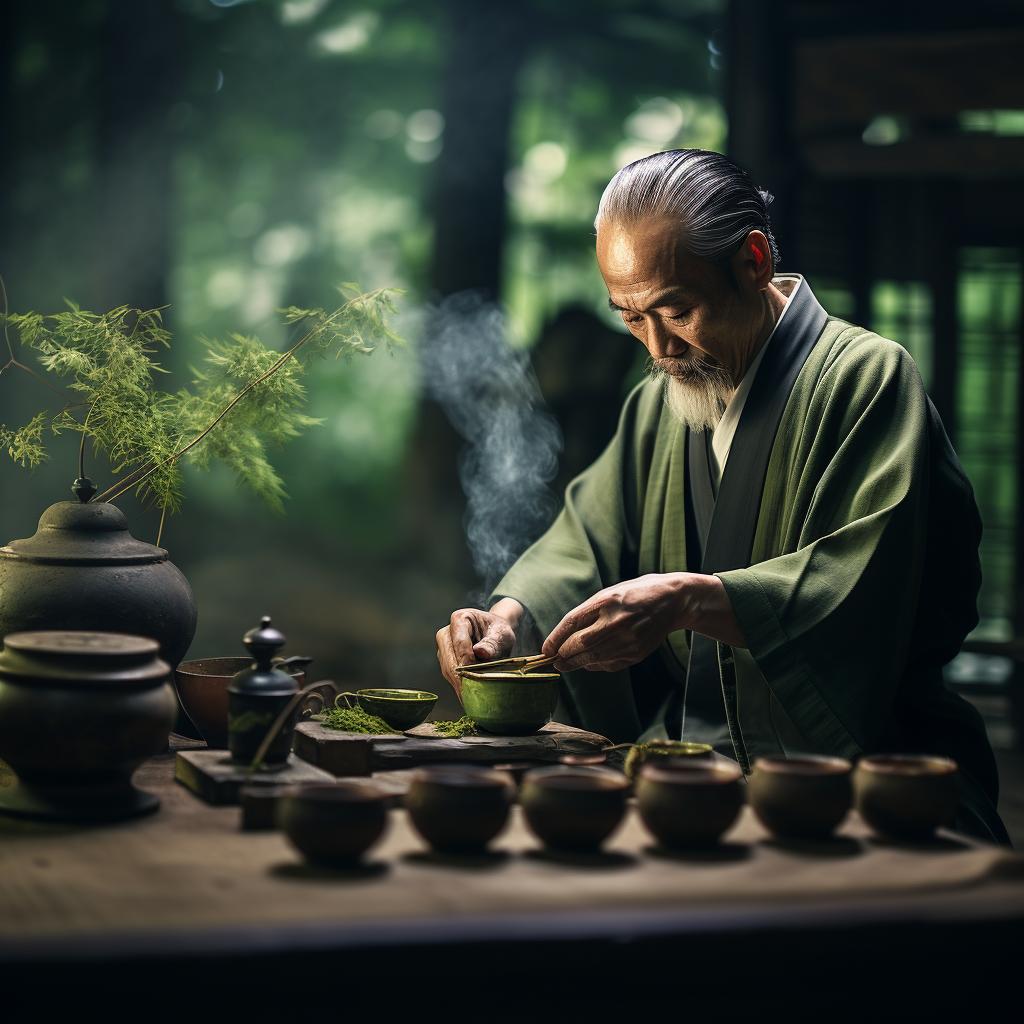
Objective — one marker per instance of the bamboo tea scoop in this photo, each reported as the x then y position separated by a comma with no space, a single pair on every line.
521,664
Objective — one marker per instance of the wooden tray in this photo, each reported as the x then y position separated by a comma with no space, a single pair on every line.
211,775
344,753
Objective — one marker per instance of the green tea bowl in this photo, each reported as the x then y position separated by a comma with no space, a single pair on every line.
665,754
510,703
401,709
801,797
906,796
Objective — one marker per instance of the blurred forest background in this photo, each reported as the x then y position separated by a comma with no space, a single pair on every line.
229,157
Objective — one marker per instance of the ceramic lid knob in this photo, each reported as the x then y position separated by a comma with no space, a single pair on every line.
264,642
83,488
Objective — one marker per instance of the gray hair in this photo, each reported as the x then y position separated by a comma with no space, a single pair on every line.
715,201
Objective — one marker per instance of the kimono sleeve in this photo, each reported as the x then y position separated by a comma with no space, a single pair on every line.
830,621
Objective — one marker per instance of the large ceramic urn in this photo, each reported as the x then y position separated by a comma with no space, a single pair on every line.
83,570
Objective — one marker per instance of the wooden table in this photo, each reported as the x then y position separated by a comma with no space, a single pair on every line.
184,903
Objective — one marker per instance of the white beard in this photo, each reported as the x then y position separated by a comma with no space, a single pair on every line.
698,403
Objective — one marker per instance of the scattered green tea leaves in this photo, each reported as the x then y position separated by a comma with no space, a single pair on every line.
464,726
354,719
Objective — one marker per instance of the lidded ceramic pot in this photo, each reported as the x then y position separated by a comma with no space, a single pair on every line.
79,712
83,570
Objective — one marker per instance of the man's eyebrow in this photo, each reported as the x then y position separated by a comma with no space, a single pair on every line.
660,300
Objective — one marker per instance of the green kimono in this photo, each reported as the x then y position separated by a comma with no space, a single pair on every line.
858,583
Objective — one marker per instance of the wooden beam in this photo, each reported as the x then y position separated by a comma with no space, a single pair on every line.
848,81
950,156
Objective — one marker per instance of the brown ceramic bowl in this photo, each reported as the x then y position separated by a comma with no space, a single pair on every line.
459,809
574,809
689,805
803,797
906,796
202,686
334,823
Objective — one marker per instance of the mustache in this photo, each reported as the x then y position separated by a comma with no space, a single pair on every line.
692,365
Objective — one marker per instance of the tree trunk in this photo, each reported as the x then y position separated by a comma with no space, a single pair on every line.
8,165
468,205
138,78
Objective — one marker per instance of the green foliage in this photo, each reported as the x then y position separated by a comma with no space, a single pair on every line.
25,445
244,397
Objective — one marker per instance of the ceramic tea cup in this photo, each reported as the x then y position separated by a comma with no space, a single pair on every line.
574,809
803,797
202,686
459,809
689,805
401,709
334,823
906,796
510,703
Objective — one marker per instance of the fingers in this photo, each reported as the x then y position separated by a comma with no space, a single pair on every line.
579,618
581,648
462,637
448,660
496,642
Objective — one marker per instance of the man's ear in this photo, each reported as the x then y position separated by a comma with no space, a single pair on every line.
752,262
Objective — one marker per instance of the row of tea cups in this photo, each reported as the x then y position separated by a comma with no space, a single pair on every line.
684,804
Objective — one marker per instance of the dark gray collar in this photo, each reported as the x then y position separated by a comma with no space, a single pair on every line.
726,522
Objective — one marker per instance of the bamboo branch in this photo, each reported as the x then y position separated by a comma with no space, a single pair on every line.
118,488
160,530
81,447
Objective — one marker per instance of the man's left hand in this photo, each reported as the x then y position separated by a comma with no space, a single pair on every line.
620,625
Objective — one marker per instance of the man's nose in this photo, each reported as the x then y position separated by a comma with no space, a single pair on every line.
661,343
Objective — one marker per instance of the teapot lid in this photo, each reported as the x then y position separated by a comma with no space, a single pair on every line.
261,678
83,533
83,658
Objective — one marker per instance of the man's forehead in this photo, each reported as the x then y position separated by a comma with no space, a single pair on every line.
648,259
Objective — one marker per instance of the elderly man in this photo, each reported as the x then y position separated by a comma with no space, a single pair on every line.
777,552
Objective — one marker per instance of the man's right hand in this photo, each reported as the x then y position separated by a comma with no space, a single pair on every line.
475,635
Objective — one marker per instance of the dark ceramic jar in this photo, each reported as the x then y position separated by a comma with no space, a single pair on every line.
83,570
79,712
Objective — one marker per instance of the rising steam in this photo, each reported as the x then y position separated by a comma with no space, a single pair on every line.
488,391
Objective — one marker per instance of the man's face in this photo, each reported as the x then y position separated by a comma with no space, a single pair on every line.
686,311
699,322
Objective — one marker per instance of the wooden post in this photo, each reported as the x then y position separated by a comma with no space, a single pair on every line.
1016,694
758,99
943,272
